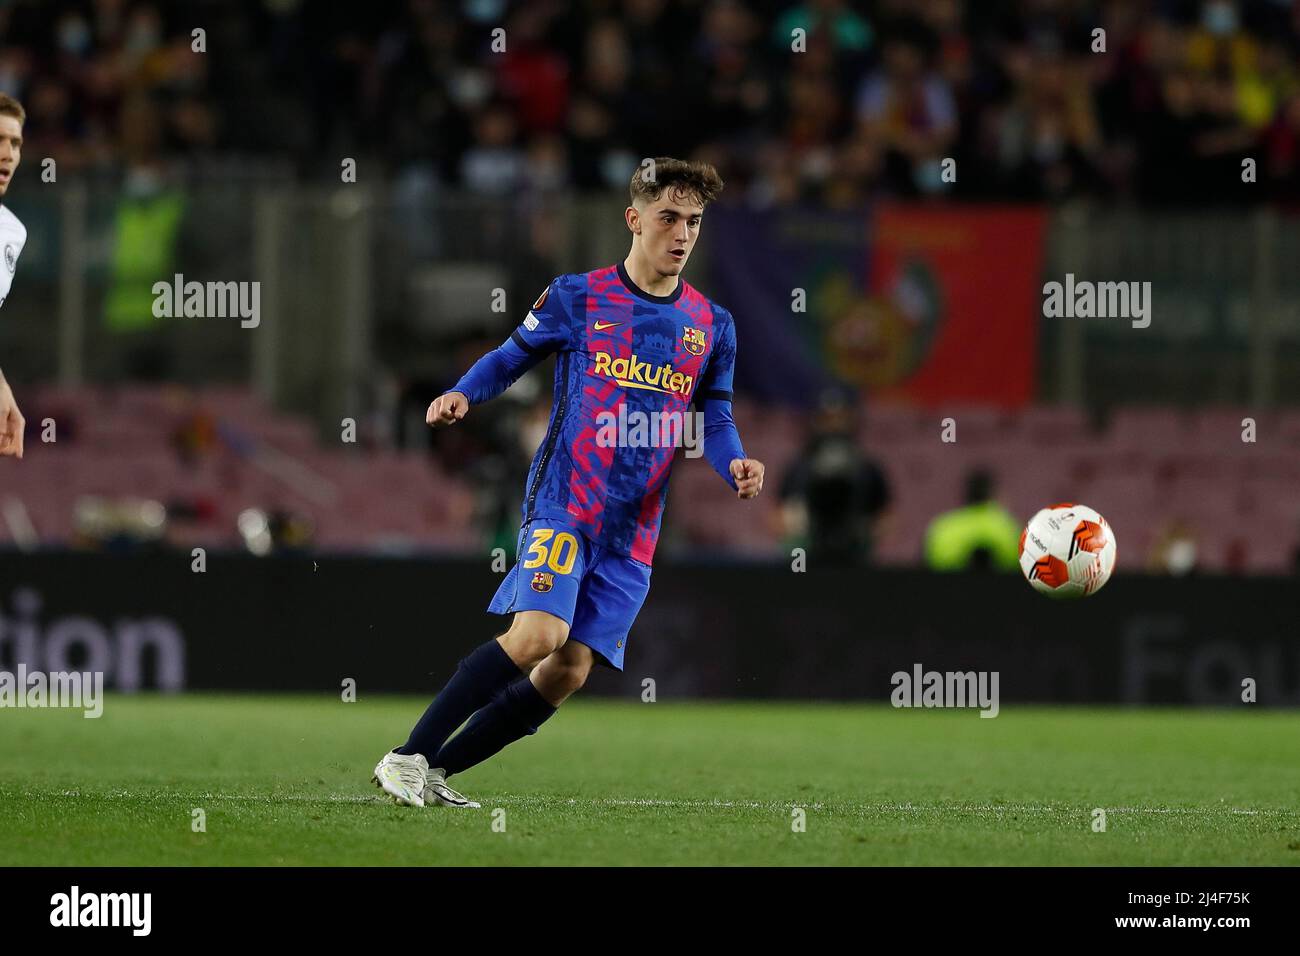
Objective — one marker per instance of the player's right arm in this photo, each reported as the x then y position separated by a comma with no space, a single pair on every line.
12,422
545,330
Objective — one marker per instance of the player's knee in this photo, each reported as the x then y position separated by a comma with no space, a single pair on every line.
537,636
569,678
557,679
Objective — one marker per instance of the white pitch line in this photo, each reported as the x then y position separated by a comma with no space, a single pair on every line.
1031,808
686,804
918,808
903,807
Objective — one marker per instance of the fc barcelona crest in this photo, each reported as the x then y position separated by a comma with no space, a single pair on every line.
543,581
693,340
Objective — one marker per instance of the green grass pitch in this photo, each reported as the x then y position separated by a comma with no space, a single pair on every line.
286,781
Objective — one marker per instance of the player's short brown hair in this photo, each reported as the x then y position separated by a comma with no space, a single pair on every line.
675,175
11,107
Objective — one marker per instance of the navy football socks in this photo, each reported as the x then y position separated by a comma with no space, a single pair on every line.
514,713
482,674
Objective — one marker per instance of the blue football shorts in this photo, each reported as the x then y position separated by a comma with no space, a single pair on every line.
596,591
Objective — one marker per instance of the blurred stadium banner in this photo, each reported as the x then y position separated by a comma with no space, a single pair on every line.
900,303
946,326
294,624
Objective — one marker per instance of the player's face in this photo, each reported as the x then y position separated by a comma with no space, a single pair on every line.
11,146
669,227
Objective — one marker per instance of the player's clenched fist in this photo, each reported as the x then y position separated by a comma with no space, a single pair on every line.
748,473
447,409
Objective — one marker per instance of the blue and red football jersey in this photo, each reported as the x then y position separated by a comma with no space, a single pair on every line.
619,350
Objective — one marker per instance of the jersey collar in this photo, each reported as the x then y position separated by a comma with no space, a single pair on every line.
659,299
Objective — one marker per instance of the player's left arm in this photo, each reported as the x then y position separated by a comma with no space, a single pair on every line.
546,329
721,437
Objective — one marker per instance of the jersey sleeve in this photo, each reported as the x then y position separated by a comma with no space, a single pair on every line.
544,330
716,383
721,437
547,326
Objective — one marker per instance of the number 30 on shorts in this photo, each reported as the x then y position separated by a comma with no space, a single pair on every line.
558,555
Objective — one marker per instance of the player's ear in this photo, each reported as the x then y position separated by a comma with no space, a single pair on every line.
633,217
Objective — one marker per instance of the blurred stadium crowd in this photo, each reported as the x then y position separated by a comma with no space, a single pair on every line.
883,90
164,466
1010,88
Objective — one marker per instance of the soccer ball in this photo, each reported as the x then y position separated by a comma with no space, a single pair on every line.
1067,551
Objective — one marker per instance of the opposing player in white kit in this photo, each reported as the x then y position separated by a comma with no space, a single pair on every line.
13,234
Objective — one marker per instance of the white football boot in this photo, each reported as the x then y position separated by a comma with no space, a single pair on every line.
437,793
403,777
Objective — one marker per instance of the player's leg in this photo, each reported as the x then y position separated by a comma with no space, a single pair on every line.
516,712
485,671
533,637
609,598
563,673
481,675
541,591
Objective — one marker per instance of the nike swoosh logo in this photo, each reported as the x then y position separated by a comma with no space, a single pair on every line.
602,326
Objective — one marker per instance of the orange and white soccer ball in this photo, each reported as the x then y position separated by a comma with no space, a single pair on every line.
1067,551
